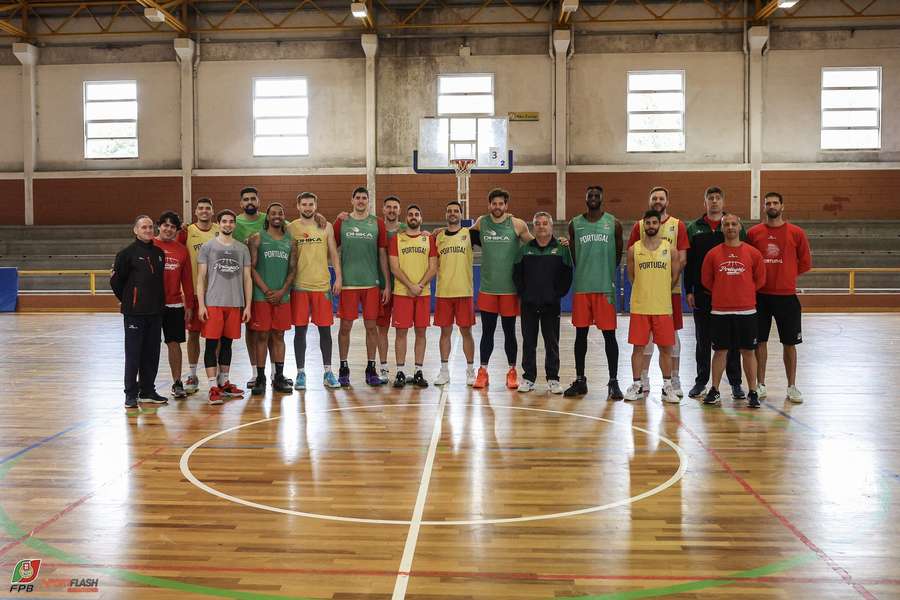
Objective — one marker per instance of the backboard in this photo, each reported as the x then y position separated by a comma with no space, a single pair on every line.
481,138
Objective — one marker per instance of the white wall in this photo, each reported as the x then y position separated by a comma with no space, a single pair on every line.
60,108
337,121
791,96
11,130
714,112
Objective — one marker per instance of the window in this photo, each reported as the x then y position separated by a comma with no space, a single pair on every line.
851,109
280,112
655,111
110,119
462,97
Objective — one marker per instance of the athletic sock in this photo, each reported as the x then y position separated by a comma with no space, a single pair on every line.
193,370
445,367
384,366
327,369
370,365
221,379
344,364
279,369
260,372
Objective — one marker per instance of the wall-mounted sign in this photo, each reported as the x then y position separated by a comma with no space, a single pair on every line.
524,116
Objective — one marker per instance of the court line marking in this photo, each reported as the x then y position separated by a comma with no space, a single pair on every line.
679,473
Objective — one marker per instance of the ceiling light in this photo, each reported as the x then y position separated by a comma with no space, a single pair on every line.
569,6
359,10
155,15
787,3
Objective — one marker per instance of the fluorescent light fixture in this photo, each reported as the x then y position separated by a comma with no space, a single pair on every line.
569,6
359,10
155,15
787,3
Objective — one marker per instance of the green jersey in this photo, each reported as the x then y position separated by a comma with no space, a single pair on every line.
244,227
390,234
499,249
595,255
273,263
359,241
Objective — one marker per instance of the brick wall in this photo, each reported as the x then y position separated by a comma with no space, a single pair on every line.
103,201
825,195
12,202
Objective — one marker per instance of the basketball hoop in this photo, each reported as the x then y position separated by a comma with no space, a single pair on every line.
463,169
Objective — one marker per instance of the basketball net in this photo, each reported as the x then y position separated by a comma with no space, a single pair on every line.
463,169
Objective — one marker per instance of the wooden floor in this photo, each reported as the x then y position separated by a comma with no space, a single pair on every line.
454,493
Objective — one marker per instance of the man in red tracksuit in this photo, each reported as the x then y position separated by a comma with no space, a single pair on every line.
178,283
786,254
733,271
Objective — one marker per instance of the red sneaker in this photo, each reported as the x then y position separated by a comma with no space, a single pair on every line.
229,390
512,380
482,379
215,396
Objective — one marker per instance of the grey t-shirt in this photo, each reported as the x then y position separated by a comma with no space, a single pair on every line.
224,272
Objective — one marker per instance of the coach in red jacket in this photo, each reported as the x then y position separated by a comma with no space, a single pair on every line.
733,271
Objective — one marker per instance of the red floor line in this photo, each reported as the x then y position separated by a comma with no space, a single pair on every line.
848,579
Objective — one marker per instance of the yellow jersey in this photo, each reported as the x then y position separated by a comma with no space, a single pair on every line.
312,257
455,259
668,230
413,252
194,238
650,292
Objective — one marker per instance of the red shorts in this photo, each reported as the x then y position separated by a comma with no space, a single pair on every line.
222,321
194,324
641,326
315,306
507,305
265,316
384,312
348,305
677,315
448,310
592,308
411,312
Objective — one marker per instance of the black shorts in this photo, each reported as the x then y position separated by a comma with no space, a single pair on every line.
733,332
786,310
173,324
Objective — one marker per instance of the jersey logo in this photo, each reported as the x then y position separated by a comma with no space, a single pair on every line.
732,268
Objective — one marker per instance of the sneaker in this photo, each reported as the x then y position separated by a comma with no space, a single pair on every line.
344,376
251,382
282,385
753,399
259,387
372,378
676,386
525,386
737,392
613,391
328,380
669,395
191,384
481,380
443,378
419,381
178,391
634,392
229,390
216,396
712,397
399,379
153,397
761,390
698,391
300,382
470,377
553,386
794,395
578,388
512,380
385,376
645,385
131,402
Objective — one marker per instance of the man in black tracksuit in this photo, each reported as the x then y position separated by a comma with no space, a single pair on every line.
137,281
542,274
705,234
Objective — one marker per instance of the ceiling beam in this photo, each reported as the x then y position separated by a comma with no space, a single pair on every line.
12,29
767,10
171,20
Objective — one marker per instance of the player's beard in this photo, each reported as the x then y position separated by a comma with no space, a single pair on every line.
308,215
251,209
773,216
651,232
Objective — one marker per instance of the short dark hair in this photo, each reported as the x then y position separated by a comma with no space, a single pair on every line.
774,195
172,217
455,202
205,200
389,199
713,189
659,188
498,193
360,190
224,212
303,195
415,206
599,188
650,214
268,208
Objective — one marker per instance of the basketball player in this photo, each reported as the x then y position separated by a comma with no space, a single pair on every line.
500,234
786,254
455,290
596,248
362,240
733,272
673,231
179,287
653,266
704,234
248,222
273,260
413,259
193,237
224,290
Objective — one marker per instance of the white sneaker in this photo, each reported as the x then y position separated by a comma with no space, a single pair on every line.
761,391
554,387
526,386
669,395
470,377
794,395
676,386
442,378
634,392
645,385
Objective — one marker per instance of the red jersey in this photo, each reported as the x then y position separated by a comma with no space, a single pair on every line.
733,274
786,254
178,276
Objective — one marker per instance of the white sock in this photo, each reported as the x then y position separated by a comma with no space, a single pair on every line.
470,368
384,366
301,371
221,378
193,369
444,367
